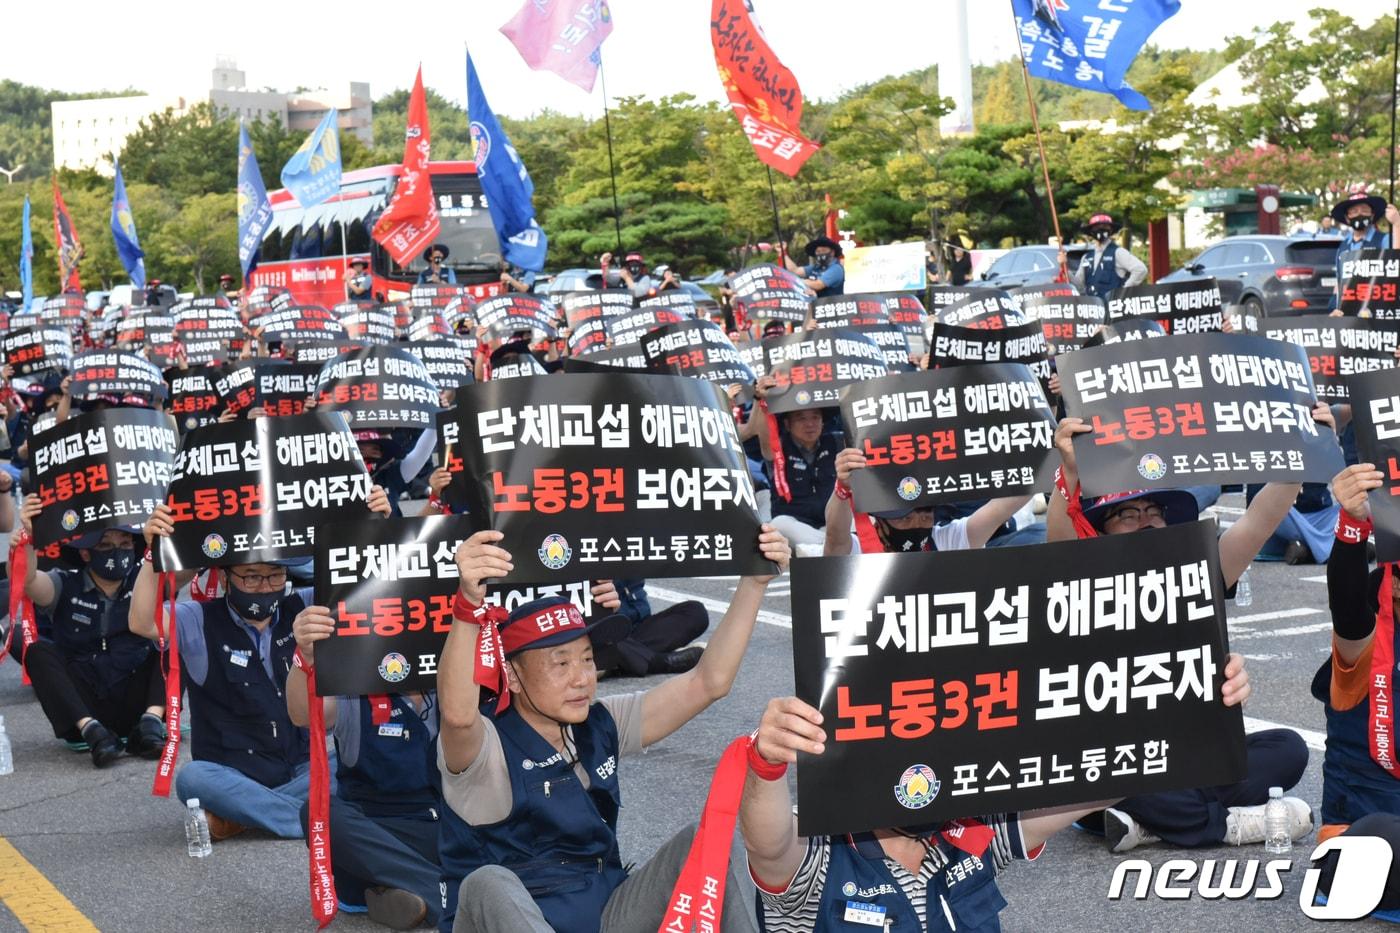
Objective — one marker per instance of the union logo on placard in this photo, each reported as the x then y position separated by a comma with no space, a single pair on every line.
555,552
917,787
395,667
69,521
908,489
1152,466
803,397
214,546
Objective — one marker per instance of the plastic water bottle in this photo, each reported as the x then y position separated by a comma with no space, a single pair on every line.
1277,840
197,830
7,755
1244,596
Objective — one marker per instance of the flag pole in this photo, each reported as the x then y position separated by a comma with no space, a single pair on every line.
612,169
777,224
1040,143
1394,77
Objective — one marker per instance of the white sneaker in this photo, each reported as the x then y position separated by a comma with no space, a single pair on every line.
1245,825
1039,503
1124,833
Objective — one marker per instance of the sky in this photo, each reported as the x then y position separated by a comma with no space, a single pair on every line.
657,46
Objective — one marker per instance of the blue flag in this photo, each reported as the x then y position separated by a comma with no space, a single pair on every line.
124,232
254,210
1089,44
312,174
506,183
26,259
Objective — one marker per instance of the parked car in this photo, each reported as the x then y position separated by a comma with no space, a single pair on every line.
705,303
1270,276
96,300
1028,265
571,280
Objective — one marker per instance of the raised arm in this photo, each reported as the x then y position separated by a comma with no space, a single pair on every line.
672,704
1058,526
478,558
141,617
37,586
984,522
1348,571
766,819
312,624
7,502
839,513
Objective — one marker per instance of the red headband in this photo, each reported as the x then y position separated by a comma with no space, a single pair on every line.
539,629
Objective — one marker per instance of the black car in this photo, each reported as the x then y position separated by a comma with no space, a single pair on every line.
1270,276
1028,265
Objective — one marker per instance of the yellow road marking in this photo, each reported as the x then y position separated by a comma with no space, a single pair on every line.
33,899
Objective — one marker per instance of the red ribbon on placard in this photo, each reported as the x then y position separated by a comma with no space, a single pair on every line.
318,818
166,588
775,440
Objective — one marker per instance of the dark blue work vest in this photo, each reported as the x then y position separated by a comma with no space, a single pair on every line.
395,773
91,631
1104,278
857,877
1353,785
238,717
810,484
560,839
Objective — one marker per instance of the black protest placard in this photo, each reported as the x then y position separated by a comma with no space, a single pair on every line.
147,327
964,346
632,327
850,311
298,323
378,387
208,334
37,350
969,682
107,372
985,308
812,367
948,435
515,365
284,387
1375,410
425,299
390,585
194,400
497,314
448,361
618,475
751,352
1338,347
253,491
1370,284
775,304
601,305
321,352
674,299
763,277
427,327
608,360
237,384
1067,321
367,322
1027,295
64,310
1191,307
941,296
893,344
100,470
1209,409
456,495
907,312
696,348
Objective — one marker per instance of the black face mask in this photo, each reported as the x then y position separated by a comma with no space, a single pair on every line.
634,271
1360,223
1101,235
820,261
114,564
900,542
254,606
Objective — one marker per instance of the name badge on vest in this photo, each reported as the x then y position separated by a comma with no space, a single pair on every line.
391,730
240,657
871,915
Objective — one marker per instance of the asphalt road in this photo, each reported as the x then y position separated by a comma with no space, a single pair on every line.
118,854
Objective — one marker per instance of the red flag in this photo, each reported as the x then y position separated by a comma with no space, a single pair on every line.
410,223
70,250
763,92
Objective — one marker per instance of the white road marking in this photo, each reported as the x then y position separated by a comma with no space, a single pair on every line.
1227,509
1295,630
1320,578
666,595
1269,616
1315,740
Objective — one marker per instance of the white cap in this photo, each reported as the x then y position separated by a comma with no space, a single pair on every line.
193,802
1275,791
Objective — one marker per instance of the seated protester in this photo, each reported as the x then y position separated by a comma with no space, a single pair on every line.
1305,535
809,462
639,642
251,765
529,836
910,529
388,799
1234,813
97,683
390,466
1359,778
919,877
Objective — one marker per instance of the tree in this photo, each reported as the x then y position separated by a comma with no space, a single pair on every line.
200,241
187,154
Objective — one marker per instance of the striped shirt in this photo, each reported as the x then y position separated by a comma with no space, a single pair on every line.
797,908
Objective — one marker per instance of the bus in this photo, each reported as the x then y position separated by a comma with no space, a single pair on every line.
307,250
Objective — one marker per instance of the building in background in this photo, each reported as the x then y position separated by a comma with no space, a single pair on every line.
86,133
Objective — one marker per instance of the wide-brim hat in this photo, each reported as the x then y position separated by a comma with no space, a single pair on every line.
1178,505
828,242
437,248
359,261
1339,211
